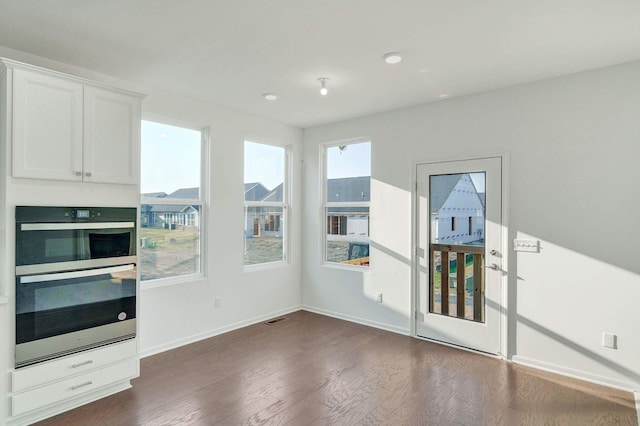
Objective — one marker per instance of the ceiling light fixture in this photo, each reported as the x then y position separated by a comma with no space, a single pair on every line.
323,84
392,58
270,96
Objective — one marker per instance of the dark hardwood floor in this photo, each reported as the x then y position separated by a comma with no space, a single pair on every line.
315,370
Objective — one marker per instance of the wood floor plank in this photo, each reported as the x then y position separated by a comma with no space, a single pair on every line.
316,370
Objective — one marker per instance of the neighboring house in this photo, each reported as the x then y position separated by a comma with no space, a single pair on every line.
171,216
457,210
145,209
254,191
349,221
263,220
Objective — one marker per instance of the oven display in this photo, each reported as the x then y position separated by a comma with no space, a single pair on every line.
82,214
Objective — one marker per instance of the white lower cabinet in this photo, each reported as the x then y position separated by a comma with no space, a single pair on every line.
61,380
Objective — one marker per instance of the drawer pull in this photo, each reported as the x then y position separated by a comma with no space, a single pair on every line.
80,364
81,385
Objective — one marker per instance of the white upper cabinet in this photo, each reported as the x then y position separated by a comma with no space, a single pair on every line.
111,136
47,127
72,129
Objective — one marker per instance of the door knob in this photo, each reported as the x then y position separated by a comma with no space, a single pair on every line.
492,266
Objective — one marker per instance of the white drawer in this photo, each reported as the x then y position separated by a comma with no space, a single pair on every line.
68,366
70,388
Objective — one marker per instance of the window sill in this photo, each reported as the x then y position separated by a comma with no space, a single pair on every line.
353,268
266,266
164,282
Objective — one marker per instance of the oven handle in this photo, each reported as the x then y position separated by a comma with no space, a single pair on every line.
74,274
76,225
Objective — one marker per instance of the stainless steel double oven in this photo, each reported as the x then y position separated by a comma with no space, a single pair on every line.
75,280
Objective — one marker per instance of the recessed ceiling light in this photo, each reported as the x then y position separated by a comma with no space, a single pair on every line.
392,57
443,95
270,96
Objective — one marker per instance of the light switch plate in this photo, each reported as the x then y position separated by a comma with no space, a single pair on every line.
526,245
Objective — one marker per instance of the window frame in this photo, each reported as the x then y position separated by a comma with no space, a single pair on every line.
202,202
325,205
285,204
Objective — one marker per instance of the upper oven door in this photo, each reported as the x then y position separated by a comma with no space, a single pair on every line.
50,247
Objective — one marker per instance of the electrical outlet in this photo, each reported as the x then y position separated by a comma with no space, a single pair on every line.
218,302
379,297
609,340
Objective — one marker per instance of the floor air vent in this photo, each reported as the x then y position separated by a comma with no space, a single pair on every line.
275,320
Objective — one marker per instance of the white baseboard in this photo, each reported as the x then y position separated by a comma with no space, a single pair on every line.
215,332
574,373
358,320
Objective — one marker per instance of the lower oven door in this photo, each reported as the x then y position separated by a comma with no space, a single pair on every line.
66,312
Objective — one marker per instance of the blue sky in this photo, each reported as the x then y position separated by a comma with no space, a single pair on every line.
264,164
352,161
170,158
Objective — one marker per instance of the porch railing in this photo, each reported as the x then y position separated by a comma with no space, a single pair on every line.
461,252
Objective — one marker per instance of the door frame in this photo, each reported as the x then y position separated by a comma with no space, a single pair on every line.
505,312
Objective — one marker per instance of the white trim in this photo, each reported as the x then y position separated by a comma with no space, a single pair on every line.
214,332
347,204
574,373
169,281
462,348
637,397
358,320
265,266
346,266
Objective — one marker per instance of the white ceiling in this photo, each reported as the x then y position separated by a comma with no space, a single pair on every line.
231,52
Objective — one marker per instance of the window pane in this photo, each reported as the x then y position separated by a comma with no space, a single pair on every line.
348,235
170,233
264,175
170,160
349,183
263,234
169,241
263,172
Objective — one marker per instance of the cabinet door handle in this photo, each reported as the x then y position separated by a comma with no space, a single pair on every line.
78,173
80,364
88,174
81,385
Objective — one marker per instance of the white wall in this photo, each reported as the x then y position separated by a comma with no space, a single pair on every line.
573,145
177,314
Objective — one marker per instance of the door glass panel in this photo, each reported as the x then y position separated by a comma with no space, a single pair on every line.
456,245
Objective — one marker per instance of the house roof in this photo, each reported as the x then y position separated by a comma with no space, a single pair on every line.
155,194
276,194
254,191
351,189
441,189
185,193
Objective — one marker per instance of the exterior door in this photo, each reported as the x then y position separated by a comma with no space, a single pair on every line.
459,268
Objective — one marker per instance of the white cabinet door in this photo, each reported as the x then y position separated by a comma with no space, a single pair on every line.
111,132
47,127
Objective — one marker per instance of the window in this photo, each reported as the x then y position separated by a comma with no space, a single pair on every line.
453,223
347,190
172,202
265,203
